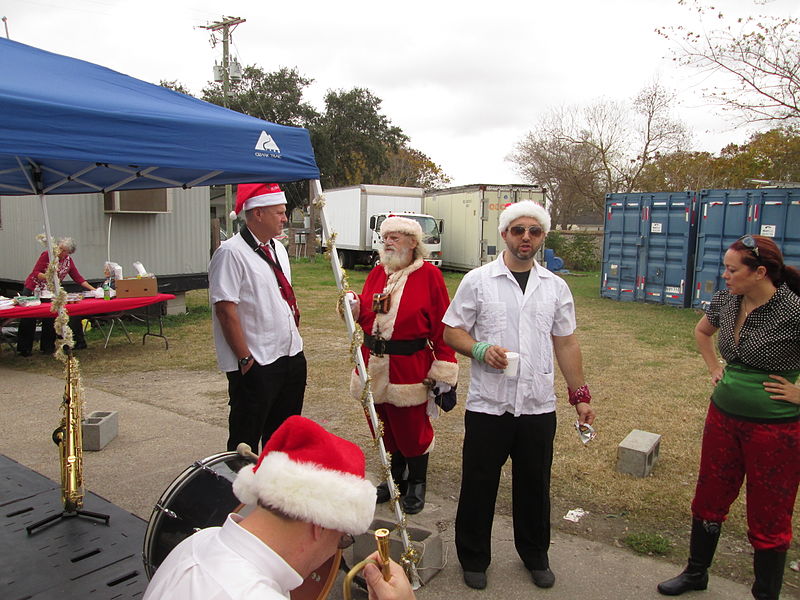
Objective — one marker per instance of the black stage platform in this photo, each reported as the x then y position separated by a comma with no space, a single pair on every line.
80,558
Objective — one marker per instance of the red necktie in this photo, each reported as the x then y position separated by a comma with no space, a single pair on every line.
286,288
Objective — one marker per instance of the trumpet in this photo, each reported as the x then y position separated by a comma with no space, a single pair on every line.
382,541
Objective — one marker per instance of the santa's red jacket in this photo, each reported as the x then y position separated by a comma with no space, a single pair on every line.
418,302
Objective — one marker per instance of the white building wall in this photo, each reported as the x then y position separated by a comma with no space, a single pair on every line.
175,243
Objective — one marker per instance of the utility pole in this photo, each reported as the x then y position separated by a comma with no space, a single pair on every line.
226,25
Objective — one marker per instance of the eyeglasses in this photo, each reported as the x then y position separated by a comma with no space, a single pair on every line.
749,242
519,230
346,541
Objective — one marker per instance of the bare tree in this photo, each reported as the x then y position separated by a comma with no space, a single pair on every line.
581,154
759,57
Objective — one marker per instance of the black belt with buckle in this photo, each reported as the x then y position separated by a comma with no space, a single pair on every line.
379,346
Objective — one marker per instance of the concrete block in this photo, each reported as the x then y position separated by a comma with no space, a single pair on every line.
427,543
638,453
178,305
98,429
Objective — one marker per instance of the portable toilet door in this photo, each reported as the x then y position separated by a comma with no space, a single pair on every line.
723,217
666,261
622,240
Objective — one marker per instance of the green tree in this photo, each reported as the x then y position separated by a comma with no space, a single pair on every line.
752,63
276,97
175,85
352,140
412,168
772,155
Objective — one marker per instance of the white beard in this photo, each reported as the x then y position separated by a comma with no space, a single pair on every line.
394,260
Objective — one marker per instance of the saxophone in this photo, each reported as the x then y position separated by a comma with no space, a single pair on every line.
68,436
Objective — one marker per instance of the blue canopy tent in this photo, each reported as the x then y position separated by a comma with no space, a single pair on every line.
68,126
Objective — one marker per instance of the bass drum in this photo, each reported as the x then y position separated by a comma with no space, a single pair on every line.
202,496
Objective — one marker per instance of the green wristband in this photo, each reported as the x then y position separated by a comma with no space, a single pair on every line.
479,350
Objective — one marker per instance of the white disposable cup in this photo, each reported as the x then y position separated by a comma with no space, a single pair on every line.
513,364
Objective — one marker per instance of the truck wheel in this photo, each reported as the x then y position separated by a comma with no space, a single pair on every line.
344,259
375,261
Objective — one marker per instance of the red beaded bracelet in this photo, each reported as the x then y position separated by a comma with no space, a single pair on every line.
582,394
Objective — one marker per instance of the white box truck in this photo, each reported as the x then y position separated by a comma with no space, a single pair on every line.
470,216
355,215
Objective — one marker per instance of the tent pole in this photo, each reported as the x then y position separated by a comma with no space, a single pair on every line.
49,238
369,403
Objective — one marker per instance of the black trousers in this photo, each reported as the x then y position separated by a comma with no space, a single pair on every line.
47,340
263,398
489,441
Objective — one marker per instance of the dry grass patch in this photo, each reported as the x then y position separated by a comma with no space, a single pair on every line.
640,363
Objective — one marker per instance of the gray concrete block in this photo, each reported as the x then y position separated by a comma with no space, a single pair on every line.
638,453
98,429
178,305
426,542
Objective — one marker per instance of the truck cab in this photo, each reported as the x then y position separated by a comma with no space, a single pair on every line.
431,234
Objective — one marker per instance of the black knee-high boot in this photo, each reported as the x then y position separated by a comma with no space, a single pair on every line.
398,468
703,544
414,500
768,567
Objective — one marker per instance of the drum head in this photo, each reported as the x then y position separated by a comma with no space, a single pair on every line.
202,496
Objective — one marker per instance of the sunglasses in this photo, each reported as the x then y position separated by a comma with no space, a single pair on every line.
519,230
346,541
749,242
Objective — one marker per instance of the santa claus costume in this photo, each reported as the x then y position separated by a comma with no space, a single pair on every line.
403,347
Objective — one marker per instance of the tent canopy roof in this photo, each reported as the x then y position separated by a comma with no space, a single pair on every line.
70,126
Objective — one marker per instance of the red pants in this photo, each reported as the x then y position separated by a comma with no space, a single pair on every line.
406,428
769,455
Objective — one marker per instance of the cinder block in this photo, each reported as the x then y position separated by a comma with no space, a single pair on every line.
178,305
99,428
638,453
427,543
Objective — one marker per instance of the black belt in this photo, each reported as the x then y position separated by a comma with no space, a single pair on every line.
379,347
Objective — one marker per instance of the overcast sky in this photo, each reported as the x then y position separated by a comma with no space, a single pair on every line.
465,80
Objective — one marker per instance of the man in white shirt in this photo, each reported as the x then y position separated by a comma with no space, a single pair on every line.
255,320
309,497
513,304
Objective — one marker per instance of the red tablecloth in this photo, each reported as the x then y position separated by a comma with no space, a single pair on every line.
84,307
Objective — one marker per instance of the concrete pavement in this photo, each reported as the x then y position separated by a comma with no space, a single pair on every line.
155,445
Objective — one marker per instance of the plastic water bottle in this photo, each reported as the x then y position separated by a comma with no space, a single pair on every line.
106,290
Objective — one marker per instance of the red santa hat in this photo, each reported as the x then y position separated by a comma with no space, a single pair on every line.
524,208
253,195
309,474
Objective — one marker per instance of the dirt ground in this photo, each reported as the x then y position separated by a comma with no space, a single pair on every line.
202,395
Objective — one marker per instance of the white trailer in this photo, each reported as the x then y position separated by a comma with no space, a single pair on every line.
470,216
355,214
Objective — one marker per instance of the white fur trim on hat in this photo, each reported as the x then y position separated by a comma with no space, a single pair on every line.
524,208
309,492
402,225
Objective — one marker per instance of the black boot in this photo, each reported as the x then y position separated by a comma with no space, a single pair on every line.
398,468
768,566
414,500
702,545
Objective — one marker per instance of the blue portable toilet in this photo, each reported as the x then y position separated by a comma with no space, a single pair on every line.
648,247
726,215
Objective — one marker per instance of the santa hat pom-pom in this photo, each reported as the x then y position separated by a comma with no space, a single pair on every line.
232,215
